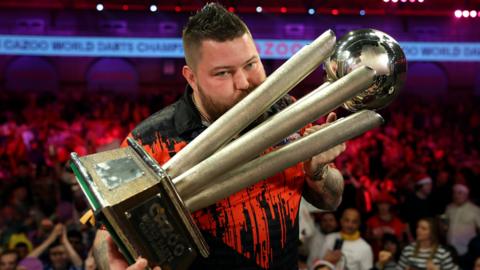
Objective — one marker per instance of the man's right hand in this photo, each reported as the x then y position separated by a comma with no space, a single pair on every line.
108,257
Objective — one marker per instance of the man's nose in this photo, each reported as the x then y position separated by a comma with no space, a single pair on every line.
241,80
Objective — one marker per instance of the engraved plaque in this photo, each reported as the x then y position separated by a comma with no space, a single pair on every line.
116,172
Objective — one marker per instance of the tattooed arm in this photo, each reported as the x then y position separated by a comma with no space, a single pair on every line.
324,183
324,190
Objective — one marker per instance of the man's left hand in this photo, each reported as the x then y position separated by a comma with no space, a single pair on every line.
316,165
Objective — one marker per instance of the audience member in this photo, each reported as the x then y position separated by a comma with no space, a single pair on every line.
8,260
347,249
464,219
426,252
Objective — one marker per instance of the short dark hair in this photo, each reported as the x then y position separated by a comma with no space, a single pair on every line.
212,22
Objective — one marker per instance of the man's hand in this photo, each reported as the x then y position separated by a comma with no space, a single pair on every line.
432,266
315,166
333,256
324,183
108,257
383,257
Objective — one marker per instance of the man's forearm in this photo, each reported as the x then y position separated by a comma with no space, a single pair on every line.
325,193
100,250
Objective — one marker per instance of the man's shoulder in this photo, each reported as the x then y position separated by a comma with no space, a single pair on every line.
161,121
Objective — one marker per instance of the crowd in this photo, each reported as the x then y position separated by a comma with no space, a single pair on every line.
410,200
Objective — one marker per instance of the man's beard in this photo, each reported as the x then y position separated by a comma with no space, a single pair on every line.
215,109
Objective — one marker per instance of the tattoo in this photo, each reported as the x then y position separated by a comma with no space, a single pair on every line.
328,192
100,253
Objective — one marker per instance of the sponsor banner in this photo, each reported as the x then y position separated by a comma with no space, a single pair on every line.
172,48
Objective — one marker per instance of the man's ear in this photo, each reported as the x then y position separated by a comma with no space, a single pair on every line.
188,74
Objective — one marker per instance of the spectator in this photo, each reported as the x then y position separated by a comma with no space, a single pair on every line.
464,219
61,254
390,253
347,249
426,252
8,260
385,222
326,223
418,205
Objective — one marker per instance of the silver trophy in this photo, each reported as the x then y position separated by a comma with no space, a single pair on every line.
146,206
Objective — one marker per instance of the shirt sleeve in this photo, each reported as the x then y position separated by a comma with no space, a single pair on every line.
402,262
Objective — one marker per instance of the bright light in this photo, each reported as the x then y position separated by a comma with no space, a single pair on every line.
362,12
394,1
412,1
231,9
283,10
465,13
311,11
403,1
335,12
420,1
473,13
259,9
99,7
153,8
386,1
458,13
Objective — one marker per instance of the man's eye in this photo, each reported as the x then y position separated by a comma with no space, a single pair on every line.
222,73
250,66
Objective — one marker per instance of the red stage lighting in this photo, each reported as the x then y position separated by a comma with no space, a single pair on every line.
231,9
178,9
335,12
125,7
283,10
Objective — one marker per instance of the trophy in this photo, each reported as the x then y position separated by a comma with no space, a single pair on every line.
146,206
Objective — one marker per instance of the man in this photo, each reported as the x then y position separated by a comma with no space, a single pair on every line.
464,219
256,228
8,260
347,249
327,223
420,201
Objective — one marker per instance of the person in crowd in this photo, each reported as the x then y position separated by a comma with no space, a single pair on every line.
346,249
8,260
420,201
385,222
223,67
61,254
426,252
463,217
325,223
390,253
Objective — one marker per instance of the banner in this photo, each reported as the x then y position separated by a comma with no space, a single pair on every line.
172,48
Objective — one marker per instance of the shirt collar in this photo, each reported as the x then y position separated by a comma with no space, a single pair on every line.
187,117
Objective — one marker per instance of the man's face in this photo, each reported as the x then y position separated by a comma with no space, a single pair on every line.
58,256
328,223
350,221
225,73
8,261
459,196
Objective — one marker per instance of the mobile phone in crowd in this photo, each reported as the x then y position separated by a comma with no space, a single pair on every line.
338,244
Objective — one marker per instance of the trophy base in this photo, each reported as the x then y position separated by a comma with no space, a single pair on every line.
138,204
